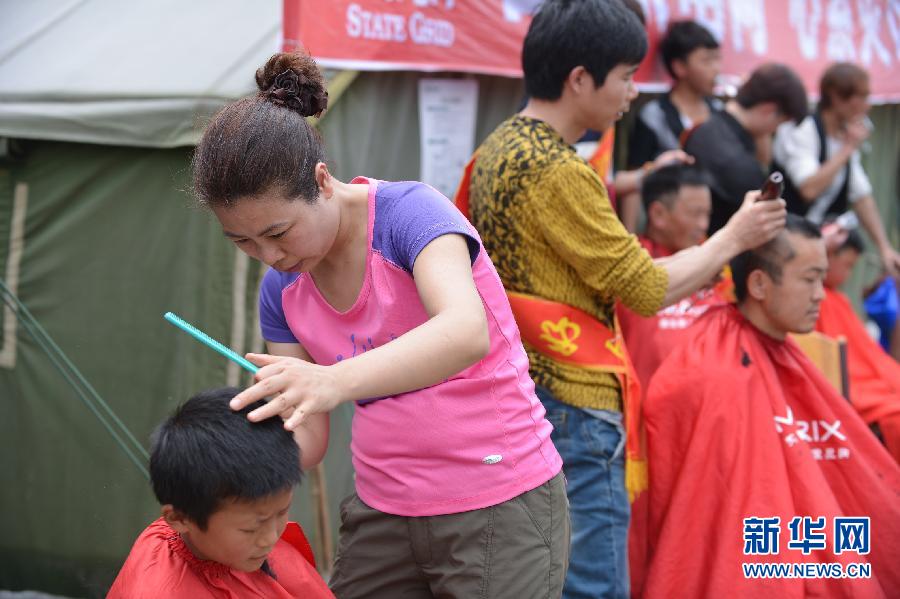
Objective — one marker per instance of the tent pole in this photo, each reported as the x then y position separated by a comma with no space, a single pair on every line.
324,544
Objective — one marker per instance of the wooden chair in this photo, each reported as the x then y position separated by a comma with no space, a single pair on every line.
830,356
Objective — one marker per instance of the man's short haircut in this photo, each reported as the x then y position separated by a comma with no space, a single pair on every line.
206,453
596,34
682,38
776,83
842,79
663,184
853,242
772,256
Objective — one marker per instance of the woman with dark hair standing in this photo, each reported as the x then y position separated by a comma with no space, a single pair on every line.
381,293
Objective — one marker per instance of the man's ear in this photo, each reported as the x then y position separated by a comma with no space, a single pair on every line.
758,285
175,518
679,68
656,214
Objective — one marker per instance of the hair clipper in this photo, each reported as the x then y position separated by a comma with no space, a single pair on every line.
772,188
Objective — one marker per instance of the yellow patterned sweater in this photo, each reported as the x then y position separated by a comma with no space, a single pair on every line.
547,224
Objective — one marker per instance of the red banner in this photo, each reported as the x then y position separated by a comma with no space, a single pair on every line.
473,36
485,36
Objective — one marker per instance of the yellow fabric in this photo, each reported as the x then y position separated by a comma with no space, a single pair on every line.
545,219
637,478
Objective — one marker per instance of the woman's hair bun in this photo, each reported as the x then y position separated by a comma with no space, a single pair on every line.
293,80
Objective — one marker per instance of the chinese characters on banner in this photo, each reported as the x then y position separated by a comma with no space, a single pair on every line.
485,36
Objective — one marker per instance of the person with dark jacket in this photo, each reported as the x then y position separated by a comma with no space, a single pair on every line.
734,144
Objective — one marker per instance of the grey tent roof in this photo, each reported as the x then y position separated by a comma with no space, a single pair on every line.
139,73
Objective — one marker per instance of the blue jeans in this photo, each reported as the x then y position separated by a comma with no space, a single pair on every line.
592,446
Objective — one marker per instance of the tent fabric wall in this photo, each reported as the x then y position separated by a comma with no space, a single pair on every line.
109,246
374,129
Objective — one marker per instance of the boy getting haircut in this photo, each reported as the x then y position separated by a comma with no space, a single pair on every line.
225,485
204,455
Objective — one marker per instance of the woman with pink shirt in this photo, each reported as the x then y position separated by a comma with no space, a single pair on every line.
381,293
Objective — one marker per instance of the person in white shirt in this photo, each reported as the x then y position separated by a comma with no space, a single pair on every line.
821,160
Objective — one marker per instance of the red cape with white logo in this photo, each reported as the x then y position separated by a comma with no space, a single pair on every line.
649,341
161,565
741,425
874,375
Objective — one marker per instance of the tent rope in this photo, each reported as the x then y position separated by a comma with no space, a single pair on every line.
85,391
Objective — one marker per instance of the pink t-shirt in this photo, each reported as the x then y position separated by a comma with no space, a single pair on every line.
474,440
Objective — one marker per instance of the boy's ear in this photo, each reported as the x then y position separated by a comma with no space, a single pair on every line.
175,518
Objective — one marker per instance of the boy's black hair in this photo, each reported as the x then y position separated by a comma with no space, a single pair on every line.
682,38
772,256
664,183
776,83
596,34
206,453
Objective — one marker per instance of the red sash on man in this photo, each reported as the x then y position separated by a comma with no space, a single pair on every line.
572,336
743,426
874,375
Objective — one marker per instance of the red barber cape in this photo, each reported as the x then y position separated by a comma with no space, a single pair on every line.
650,339
874,375
740,425
161,565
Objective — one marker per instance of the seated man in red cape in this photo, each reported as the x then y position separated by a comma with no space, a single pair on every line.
755,458
225,485
874,375
678,205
